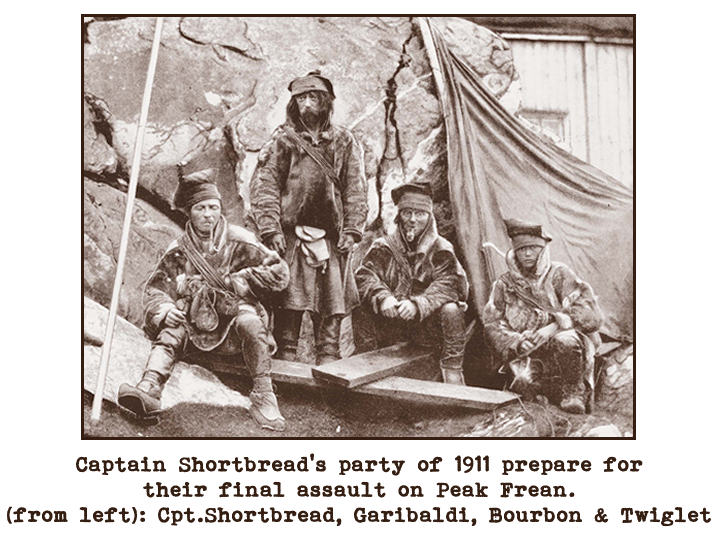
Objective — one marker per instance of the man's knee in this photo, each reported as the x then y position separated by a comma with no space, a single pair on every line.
451,310
249,325
171,338
567,340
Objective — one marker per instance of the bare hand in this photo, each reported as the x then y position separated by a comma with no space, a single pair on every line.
346,243
277,242
544,334
174,318
388,307
407,310
240,285
526,347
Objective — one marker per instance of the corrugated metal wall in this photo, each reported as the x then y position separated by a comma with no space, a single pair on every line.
592,84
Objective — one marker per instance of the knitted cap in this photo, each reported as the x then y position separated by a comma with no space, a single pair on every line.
195,188
313,81
526,234
415,196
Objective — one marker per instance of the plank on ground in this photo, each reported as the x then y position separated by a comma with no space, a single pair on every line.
367,367
437,393
413,390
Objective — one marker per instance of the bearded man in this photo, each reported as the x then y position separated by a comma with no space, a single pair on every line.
414,282
204,296
542,322
308,201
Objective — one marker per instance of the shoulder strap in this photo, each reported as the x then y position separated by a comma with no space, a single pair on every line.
510,282
207,271
315,155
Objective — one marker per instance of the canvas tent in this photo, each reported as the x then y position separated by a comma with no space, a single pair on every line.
498,169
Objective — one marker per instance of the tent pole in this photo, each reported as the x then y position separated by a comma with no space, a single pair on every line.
131,192
425,27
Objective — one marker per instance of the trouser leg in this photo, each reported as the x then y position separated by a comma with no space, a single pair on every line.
254,338
167,348
327,331
453,330
287,327
143,400
562,381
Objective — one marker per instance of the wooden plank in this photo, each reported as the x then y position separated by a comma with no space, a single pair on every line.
413,390
437,393
281,370
369,366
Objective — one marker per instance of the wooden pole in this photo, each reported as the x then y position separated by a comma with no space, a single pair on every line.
430,46
131,192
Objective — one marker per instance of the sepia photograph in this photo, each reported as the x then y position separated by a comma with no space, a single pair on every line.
366,227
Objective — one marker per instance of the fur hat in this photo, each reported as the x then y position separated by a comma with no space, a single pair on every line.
195,188
413,196
526,234
313,81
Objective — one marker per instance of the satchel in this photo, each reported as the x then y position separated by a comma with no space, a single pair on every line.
203,313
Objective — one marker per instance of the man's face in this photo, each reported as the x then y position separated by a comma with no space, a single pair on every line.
309,104
413,222
527,257
205,215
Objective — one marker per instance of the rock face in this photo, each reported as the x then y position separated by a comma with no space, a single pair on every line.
151,233
220,89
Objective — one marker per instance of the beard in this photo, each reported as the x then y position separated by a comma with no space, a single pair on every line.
310,117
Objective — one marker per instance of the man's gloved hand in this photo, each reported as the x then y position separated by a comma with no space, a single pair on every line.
277,242
389,307
174,318
407,310
346,243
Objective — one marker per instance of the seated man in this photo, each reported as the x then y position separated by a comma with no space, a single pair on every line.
542,322
204,297
414,281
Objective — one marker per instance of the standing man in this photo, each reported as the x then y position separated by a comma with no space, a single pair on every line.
413,281
204,296
542,322
308,200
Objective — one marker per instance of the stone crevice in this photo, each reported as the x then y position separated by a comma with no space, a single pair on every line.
218,48
392,144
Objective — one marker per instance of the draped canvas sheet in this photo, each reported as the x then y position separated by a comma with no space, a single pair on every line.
498,169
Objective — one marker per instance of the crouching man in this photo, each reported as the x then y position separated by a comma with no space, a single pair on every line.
414,282
204,296
542,321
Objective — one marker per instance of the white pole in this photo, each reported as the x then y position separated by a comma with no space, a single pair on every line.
131,192
425,27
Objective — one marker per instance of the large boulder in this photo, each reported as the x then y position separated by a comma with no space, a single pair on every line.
150,235
221,88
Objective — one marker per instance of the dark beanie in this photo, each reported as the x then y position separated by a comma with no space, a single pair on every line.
195,188
524,234
413,196
311,82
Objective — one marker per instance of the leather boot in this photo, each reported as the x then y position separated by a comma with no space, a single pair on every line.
453,376
264,406
142,400
287,328
573,400
327,337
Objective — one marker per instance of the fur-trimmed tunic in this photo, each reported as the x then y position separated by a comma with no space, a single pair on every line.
289,189
237,256
508,319
430,277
